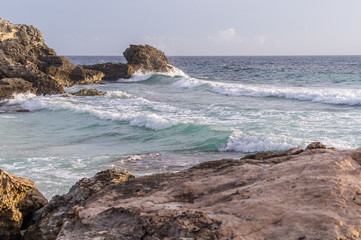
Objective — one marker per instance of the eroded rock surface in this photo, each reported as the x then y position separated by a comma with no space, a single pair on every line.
24,54
141,59
310,194
19,199
88,92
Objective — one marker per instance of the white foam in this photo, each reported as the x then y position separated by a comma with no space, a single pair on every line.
112,108
188,82
152,121
240,142
19,98
137,77
118,94
320,95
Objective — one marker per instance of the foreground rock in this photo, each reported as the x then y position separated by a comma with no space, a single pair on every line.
24,55
141,59
311,194
19,199
54,216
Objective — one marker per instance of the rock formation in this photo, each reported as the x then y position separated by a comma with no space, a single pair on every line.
296,194
88,92
24,55
19,199
141,59
52,218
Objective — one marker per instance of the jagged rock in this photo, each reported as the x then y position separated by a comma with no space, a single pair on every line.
141,59
316,145
311,194
51,219
88,92
24,54
19,199
9,86
113,71
147,59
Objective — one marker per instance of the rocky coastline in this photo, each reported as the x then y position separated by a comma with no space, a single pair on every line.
27,64
295,194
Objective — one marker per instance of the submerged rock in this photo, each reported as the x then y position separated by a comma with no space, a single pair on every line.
19,199
88,92
141,59
24,54
310,194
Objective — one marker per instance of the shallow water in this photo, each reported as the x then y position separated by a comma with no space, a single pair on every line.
218,107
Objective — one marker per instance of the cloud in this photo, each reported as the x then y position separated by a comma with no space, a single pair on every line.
228,35
260,39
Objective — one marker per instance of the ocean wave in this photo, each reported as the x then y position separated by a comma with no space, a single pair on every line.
140,76
240,142
18,98
319,95
118,94
115,108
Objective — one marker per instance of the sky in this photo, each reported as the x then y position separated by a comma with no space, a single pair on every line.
194,27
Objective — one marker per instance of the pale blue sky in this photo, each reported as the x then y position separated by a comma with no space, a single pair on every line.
194,27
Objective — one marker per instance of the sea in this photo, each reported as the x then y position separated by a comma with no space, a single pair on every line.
209,108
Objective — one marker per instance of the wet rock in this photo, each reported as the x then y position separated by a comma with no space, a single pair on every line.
113,71
8,86
88,92
24,54
296,195
141,59
19,199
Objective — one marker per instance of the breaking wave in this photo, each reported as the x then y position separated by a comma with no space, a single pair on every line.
319,95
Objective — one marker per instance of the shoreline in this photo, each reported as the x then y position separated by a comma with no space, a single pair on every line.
262,189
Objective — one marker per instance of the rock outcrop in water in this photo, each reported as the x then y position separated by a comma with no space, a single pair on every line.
19,199
141,59
296,194
24,55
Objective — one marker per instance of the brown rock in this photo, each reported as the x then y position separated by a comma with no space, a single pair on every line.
147,59
88,92
24,54
9,86
303,195
316,145
113,71
141,59
19,199
51,218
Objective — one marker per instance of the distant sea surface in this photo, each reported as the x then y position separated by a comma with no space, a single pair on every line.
212,108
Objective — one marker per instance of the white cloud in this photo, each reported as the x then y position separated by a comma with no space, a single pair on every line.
260,39
228,35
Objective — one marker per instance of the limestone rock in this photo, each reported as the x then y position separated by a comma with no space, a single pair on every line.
51,219
311,194
316,145
24,54
147,59
19,199
113,71
9,86
141,59
88,92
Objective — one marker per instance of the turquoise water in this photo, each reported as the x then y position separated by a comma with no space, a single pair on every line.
212,108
